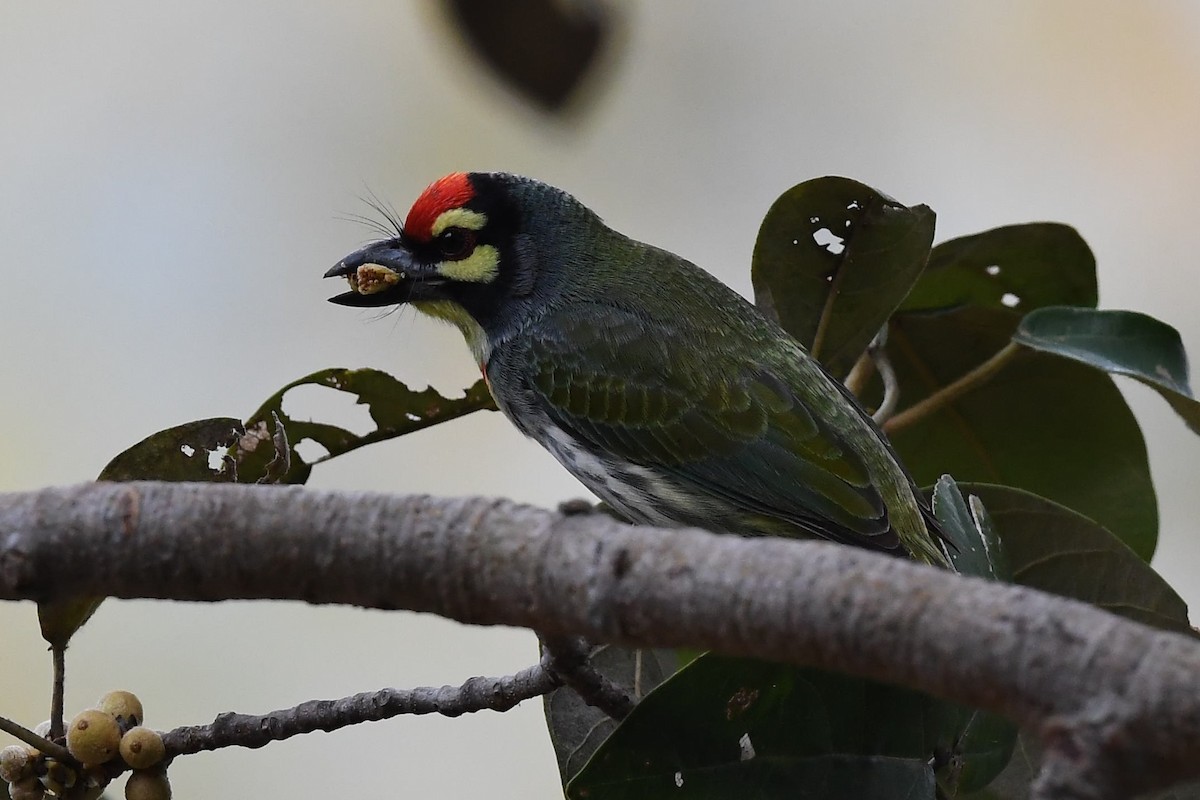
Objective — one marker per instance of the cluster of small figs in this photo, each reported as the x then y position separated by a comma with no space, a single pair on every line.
105,741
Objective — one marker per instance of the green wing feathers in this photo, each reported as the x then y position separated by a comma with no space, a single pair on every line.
756,435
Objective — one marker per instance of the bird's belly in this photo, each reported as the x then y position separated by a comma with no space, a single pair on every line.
641,494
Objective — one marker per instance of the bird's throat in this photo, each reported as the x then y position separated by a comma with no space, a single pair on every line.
452,312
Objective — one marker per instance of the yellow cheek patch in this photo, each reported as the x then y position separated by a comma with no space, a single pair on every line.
482,266
458,218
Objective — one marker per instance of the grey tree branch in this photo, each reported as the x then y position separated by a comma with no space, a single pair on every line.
477,694
1117,704
569,659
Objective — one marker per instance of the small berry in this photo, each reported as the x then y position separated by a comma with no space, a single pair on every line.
16,762
26,789
125,706
93,736
148,784
59,778
142,747
42,729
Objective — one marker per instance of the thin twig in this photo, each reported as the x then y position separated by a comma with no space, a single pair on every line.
58,652
39,743
877,353
860,373
952,391
570,661
476,694
891,386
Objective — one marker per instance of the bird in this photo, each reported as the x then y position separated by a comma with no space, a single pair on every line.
665,392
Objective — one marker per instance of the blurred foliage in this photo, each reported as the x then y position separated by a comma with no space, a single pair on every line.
544,49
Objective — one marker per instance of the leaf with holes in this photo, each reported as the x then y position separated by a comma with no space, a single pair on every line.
193,451
1120,342
1048,425
832,261
395,409
1021,267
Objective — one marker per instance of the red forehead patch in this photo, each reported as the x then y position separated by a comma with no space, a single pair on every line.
452,191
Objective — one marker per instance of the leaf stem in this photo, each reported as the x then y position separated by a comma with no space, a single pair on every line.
887,373
59,654
860,373
952,391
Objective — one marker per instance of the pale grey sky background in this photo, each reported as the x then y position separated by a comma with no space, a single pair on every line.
170,191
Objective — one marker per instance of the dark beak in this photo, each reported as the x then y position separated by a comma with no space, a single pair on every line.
388,286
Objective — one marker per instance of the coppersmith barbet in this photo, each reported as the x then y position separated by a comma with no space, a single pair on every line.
665,392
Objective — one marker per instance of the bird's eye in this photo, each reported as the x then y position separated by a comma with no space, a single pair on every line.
456,243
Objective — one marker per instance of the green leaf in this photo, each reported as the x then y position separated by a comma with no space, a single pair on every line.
395,409
1056,428
1120,342
1018,266
985,746
725,727
986,741
832,261
1013,781
1057,550
979,551
577,729
181,453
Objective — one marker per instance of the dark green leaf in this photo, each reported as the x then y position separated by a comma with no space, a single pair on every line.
1018,266
986,742
1013,781
979,550
577,729
832,261
772,730
1057,550
181,453
395,409
985,747
1121,342
1053,427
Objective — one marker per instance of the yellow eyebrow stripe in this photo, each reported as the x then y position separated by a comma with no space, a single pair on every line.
482,266
458,218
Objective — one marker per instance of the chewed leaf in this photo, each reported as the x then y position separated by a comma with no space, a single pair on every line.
1019,267
194,451
832,261
393,410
